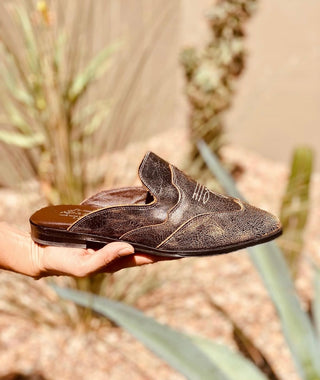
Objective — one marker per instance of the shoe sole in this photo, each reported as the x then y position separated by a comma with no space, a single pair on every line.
61,238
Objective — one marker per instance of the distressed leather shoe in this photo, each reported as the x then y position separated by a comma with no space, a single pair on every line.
171,215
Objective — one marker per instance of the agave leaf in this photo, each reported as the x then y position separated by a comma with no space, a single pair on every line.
295,206
21,140
217,170
245,344
296,325
316,300
233,365
269,261
96,67
175,348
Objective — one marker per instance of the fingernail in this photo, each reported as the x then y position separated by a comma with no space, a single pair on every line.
126,250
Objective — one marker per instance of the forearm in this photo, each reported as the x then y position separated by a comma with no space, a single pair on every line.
18,253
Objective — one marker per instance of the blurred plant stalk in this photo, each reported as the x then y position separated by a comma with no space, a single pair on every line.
295,206
210,76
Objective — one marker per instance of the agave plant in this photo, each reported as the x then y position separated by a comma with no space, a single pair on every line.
302,338
200,358
195,357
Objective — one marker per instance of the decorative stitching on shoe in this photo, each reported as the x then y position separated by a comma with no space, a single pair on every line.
151,205
185,224
199,192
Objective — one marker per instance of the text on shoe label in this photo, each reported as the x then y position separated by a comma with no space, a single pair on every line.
201,194
74,213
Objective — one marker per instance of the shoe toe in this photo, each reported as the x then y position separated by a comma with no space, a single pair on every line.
222,232
257,223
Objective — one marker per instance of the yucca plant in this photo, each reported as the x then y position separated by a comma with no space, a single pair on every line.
48,125
71,93
46,73
200,358
63,107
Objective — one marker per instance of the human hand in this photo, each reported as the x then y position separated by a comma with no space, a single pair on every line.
79,262
19,253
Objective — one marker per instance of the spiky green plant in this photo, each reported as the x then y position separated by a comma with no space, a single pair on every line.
194,357
298,329
295,206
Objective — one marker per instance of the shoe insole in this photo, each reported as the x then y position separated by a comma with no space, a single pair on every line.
63,216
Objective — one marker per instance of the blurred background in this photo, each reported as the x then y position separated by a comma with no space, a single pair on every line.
275,106
86,89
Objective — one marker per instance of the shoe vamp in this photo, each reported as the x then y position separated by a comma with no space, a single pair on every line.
115,221
194,200
212,231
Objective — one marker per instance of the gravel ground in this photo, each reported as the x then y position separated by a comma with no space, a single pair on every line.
40,334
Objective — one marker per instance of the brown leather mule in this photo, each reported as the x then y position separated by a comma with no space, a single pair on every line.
172,215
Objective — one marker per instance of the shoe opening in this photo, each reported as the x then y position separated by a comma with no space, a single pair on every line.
149,198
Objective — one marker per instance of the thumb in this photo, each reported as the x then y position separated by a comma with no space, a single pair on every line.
109,253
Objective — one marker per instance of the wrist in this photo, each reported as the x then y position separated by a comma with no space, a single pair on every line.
19,253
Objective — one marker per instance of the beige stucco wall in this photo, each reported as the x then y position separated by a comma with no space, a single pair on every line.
277,105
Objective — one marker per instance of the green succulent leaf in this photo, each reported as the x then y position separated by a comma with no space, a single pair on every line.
174,347
21,140
245,343
217,170
269,261
296,325
233,365
295,206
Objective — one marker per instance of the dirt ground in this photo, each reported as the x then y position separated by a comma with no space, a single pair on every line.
40,334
